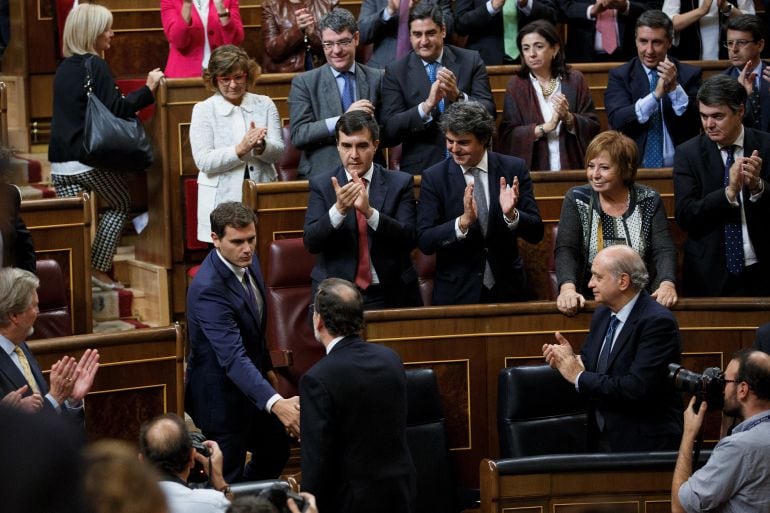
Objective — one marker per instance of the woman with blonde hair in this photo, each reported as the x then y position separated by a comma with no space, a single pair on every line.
234,134
87,34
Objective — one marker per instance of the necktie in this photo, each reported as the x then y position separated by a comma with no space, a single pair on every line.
756,111
363,269
607,27
348,95
26,370
403,45
733,232
604,356
432,73
511,24
482,212
251,295
653,148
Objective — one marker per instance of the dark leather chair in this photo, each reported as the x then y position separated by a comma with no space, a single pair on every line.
54,319
289,332
288,166
426,436
553,282
539,412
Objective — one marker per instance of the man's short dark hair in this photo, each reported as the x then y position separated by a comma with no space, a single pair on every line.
656,19
231,213
748,23
423,11
338,20
251,504
341,307
355,121
469,117
166,447
722,90
754,369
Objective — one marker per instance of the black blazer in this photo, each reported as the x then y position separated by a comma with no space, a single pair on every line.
629,82
641,409
392,194
353,420
460,263
486,33
702,211
405,85
764,101
18,249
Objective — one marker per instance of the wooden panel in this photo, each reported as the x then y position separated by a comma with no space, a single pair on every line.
61,227
140,376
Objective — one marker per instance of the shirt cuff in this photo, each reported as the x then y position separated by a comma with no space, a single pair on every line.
734,203
527,9
386,15
374,219
73,406
331,123
757,196
427,118
270,402
336,217
577,381
53,401
679,100
491,10
458,232
644,107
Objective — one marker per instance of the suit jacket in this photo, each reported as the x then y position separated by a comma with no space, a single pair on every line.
460,263
392,194
406,84
384,34
702,211
228,358
18,249
313,97
485,32
641,409
764,101
353,420
630,82
762,340
582,31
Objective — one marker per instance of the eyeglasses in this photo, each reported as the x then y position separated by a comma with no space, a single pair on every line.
738,43
240,77
342,43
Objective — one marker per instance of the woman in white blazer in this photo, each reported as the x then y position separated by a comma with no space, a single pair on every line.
234,135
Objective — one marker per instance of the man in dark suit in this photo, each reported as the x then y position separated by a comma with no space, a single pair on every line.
472,210
622,368
22,384
721,198
762,340
379,22
314,108
354,453
600,30
417,88
651,98
360,220
15,239
230,380
745,41
486,24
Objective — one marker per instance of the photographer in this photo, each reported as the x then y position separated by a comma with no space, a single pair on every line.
737,475
165,443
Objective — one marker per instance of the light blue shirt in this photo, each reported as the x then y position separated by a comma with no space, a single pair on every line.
647,105
332,122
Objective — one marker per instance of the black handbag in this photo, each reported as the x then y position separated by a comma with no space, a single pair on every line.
111,142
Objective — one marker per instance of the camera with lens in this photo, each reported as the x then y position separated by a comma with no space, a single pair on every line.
198,474
278,495
709,386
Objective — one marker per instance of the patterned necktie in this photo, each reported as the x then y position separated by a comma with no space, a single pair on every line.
604,356
653,148
348,94
607,27
482,212
363,269
756,110
26,370
251,296
733,231
432,73
511,24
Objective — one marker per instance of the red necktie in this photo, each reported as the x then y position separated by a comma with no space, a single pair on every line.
605,25
363,270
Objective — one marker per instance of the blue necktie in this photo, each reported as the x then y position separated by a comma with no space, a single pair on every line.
251,297
604,356
432,72
733,231
653,148
348,95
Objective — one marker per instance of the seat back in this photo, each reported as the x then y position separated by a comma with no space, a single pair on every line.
191,241
553,282
288,298
539,412
426,436
426,272
288,166
54,319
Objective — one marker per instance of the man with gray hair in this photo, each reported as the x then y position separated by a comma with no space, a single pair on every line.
623,365
472,210
720,182
22,384
314,108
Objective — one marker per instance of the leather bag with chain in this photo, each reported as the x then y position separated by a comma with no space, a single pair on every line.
111,142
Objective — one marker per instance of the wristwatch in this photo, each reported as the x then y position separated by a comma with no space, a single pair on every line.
225,14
